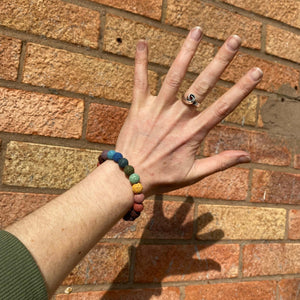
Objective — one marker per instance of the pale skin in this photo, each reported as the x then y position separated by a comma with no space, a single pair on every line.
159,138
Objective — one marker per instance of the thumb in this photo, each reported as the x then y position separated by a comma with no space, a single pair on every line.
222,161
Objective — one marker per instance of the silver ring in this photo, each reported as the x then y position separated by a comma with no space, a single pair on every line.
190,100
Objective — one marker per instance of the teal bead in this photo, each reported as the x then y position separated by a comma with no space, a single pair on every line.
123,162
134,178
128,170
110,154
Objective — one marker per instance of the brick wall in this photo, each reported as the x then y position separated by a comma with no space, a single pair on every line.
66,77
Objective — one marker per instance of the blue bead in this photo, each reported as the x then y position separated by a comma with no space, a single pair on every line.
117,156
110,154
123,162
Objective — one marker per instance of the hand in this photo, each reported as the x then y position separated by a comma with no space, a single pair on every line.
161,135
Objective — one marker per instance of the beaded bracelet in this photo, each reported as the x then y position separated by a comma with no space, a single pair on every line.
137,188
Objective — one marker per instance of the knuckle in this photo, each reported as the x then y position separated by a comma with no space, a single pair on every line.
140,84
202,89
173,80
222,109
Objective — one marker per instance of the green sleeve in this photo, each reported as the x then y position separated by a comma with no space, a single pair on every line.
20,277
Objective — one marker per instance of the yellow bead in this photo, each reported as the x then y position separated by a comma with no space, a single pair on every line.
137,188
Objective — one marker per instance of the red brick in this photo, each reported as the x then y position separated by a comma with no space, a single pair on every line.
61,69
277,78
275,187
271,259
105,123
294,224
263,148
10,49
163,263
104,263
40,114
15,206
262,290
283,43
297,161
189,13
148,8
159,220
286,11
231,184
163,293
54,19
289,289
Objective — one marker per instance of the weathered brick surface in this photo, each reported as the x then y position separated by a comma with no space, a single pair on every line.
54,19
289,289
283,43
37,165
162,53
148,8
294,224
275,187
34,113
263,148
10,49
231,184
191,13
159,220
14,206
163,293
277,77
75,72
271,259
184,263
244,114
241,222
286,11
297,161
104,123
104,263
262,290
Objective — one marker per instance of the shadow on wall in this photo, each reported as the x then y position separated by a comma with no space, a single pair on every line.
185,266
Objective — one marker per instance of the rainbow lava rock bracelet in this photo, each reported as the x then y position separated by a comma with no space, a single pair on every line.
137,188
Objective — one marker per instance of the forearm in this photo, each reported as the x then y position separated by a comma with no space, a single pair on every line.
60,233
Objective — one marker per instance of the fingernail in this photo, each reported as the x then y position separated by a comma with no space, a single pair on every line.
234,42
256,74
196,33
141,45
244,159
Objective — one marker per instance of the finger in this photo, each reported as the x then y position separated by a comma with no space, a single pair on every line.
180,65
211,74
220,162
228,102
141,87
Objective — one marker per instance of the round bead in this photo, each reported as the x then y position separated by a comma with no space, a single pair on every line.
134,178
128,170
98,164
123,162
100,160
110,154
137,188
138,207
138,198
104,155
128,215
117,156
135,214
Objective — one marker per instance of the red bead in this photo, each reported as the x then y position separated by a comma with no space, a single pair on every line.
98,164
138,207
138,198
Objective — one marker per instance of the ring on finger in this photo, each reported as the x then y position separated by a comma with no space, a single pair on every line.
190,99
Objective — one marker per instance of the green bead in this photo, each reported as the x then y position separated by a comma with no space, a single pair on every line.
134,178
128,170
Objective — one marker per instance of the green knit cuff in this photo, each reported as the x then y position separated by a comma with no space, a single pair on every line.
20,277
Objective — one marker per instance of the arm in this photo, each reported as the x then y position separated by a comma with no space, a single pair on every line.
160,138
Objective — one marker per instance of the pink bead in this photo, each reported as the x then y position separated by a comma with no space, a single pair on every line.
138,198
138,207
